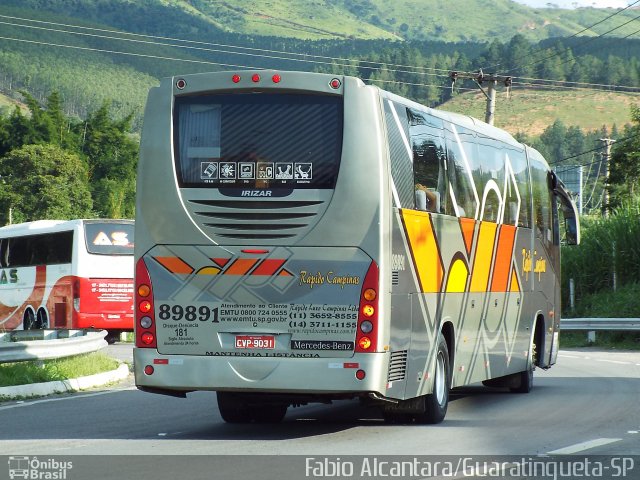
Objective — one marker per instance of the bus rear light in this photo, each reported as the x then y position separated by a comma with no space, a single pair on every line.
364,343
366,327
148,370
146,322
145,326
367,331
180,84
335,83
235,78
255,78
144,290
276,78
360,374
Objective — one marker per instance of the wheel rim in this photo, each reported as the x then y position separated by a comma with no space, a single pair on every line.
42,320
440,379
30,320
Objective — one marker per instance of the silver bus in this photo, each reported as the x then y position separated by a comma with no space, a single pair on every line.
304,237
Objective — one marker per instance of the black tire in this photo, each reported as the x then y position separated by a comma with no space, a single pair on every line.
526,377
232,409
396,417
526,381
435,405
29,320
42,321
268,413
112,337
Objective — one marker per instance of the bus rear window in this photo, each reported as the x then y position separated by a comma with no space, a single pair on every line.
109,238
258,140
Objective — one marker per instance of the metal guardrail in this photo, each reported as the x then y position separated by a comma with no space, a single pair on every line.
25,345
600,324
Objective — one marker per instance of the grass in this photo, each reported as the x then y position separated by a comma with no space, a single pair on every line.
531,111
22,373
606,340
623,303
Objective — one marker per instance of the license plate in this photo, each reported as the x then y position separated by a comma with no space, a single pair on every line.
256,341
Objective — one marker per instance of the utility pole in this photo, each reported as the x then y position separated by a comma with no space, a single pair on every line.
607,173
478,78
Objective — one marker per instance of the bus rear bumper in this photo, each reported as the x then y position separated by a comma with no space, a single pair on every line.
173,374
121,321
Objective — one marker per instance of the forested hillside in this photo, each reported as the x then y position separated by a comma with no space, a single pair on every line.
440,20
98,59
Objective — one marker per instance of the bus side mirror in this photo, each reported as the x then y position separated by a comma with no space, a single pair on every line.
572,232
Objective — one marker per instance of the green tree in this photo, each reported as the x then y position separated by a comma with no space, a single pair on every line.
43,182
112,158
625,163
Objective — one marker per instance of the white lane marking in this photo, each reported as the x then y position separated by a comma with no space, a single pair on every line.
632,431
579,447
71,397
563,355
618,362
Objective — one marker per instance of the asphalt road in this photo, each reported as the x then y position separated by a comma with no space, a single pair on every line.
587,404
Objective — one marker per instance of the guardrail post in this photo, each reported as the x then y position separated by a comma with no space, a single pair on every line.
591,336
572,294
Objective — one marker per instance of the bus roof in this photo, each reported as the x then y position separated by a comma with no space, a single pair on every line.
36,226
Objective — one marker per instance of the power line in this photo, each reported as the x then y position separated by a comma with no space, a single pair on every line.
239,47
567,49
354,63
541,50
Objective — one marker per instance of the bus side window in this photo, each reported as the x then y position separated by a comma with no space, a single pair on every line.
18,253
542,214
397,135
520,169
429,156
461,158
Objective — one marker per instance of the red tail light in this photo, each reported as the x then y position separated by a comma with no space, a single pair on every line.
145,313
367,332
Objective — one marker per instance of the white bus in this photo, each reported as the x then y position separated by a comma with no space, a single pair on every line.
67,274
306,237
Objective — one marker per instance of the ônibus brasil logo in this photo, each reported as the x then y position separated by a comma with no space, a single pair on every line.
35,469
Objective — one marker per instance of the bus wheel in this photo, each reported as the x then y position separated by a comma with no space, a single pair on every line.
396,417
29,321
42,321
232,408
112,337
269,413
526,377
434,406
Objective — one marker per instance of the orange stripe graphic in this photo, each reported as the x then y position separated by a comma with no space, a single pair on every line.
268,267
285,273
424,249
468,226
221,262
175,265
483,257
241,266
501,268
